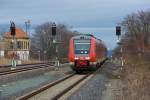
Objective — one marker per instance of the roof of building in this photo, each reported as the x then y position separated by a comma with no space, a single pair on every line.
19,34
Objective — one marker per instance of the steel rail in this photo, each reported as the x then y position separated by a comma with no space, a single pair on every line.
42,89
8,66
76,83
69,88
35,92
23,69
63,92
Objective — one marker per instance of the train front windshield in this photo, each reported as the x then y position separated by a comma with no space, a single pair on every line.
82,48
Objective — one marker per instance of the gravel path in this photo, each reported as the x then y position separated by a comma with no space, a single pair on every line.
56,89
11,90
95,87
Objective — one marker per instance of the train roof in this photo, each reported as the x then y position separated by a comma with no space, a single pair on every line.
82,36
88,36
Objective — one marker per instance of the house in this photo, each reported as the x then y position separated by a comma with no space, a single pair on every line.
20,44
2,48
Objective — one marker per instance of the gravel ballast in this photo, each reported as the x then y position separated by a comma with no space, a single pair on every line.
14,89
94,88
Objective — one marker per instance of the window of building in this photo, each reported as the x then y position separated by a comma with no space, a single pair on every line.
19,45
11,45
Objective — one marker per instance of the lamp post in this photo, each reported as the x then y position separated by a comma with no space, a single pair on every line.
27,24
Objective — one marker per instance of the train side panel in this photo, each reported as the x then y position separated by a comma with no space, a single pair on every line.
71,54
71,50
92,50
100,52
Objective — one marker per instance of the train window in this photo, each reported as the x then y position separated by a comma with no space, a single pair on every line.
82,41
82,37
11,45
82,48
19,44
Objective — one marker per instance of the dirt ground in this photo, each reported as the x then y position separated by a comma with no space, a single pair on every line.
137,80
132,83
113,90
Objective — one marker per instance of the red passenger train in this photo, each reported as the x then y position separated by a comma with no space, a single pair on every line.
86,52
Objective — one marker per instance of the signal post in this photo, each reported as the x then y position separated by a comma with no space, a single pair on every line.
55,42
118,34
13,34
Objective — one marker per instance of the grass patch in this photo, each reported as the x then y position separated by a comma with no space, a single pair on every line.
136,80
6,61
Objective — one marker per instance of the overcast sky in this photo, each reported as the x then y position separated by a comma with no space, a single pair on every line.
75,13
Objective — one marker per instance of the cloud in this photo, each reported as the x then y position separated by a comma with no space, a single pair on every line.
78,13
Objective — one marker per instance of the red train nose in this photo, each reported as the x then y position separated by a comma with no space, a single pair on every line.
82,63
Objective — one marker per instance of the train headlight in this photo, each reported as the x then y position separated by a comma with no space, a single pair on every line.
87,58
76,58
81,51
85,52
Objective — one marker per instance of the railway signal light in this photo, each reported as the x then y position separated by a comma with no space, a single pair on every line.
12,29
53,29
118,30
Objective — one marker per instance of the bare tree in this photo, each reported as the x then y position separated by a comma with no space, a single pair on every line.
137,25
136,40
42,40
144,18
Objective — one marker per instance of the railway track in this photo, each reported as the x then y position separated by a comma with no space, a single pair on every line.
20,65
24,68
57,89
